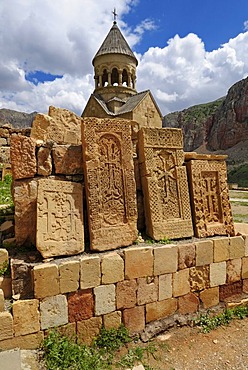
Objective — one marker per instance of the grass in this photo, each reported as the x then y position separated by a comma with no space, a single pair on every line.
239,175
5,191
210,322
62,353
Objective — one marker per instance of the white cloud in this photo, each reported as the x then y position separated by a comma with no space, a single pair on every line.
245,25
61,37
183,73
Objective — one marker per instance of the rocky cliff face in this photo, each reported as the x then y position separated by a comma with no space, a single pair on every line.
229,124
216,126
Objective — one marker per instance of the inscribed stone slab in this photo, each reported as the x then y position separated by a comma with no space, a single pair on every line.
60,126
211,207
59,218
164,183
110,184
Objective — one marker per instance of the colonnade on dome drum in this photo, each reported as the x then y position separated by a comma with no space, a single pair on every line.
115,77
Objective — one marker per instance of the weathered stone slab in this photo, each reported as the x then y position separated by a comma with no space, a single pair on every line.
25,201
211,208
59,218
53,312
60,126
23,160
68,159
110,184
44,161
26,316
164,183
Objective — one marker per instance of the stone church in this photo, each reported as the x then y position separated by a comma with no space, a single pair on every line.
115,93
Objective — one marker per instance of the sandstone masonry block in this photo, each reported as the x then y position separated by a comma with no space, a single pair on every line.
233,269
181,284
245,286
4,257
232,290
90,274
44,161
160,310
188,303
68,330
80,305
5,285
26,316
46,280
112,268
68,159
221,249
2,307
165,259
246,244
126,294
23,159
245,268
25,200
134,319
236,247
165,287
217,274
199,278
112,320
147,290
30,341
69,276
186,256
204,253
6,325
210,297
53,312
138,262
104,299
88,330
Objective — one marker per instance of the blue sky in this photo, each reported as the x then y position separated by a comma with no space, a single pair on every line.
189,51
214,21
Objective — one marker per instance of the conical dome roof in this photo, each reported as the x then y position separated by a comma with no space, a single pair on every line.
115,43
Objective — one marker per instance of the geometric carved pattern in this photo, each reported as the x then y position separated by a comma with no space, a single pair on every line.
109,183
59,218
164,183
211,208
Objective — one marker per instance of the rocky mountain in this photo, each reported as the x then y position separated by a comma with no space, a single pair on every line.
220,127
12,118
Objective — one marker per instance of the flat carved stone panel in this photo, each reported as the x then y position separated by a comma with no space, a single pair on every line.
59,218
211,208
110,185
164,183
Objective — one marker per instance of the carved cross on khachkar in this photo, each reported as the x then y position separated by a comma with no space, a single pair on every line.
115,15
149,115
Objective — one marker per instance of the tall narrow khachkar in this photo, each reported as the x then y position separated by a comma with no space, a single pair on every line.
59,218
109,183
164,183
210,203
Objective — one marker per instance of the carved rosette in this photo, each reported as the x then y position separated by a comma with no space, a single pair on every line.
110,184
210,203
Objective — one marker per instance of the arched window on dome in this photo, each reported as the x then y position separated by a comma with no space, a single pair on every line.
114,77
124,78
105,78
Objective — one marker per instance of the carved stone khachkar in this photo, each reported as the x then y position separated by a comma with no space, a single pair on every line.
164,183
109,182
59,218
209,195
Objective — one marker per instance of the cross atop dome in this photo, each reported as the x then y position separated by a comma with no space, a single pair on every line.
115,15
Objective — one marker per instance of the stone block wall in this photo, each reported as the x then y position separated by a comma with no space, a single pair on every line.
135,286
